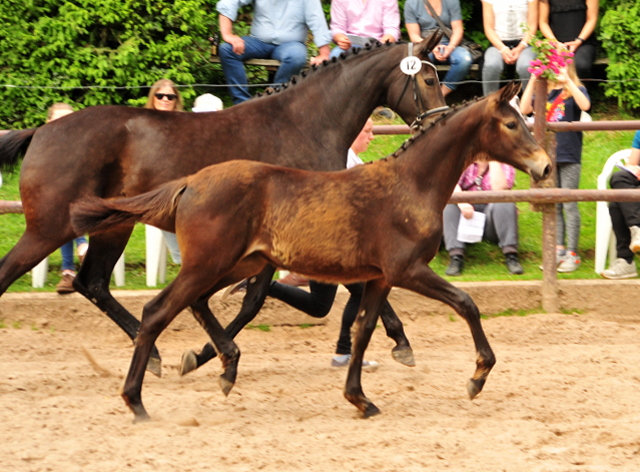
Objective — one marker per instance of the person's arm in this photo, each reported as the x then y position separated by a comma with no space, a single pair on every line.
581,99
497,176
589,26
226,31
390,22
545,29
414,32
316,22
526,102
339,25
323,55
456,37
465,208
532,23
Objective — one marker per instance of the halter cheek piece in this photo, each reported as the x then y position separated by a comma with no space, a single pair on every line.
416,95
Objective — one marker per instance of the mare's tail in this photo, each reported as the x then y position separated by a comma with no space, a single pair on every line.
13,145
157,207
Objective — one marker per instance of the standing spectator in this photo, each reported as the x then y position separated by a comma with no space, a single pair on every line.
503,20
572,22
165,96
420,24
56,111
278,31
378,19
501,223
625,218
566,99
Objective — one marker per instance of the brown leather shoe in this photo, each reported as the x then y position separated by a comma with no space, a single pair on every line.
296,280
66,284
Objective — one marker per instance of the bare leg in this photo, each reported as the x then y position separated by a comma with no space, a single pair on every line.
375,294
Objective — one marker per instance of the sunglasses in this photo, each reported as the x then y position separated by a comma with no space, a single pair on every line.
169,96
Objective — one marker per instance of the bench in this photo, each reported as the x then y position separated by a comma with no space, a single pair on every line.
270,64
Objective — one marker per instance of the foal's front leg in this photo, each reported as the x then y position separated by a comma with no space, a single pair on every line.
375,294
423,280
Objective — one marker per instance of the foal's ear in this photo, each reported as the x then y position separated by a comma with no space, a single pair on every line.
509,91
424,47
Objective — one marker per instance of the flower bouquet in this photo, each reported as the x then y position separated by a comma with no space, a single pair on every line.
552,56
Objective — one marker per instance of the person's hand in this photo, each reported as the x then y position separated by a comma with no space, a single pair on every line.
236,42
467,210
342,41
442,52
635,170
573,45
507,55
316,61
562,77
387,37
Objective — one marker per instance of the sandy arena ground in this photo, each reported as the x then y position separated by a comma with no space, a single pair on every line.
564,396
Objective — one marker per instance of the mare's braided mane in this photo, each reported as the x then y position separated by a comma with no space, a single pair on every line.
343,56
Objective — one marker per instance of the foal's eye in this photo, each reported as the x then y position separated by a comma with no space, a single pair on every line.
511,125
430,82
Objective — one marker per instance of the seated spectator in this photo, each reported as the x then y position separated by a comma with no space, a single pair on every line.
377,19
165,96
420,24
625,218
572,23
501,224
56,111
278,31
503,20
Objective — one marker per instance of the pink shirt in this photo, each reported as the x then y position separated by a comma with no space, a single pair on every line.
373,18
467,181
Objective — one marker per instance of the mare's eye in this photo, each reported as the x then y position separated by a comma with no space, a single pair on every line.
511,125
430,82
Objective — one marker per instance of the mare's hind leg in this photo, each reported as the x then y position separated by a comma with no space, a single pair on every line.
93,282
375,294
253,301
426,282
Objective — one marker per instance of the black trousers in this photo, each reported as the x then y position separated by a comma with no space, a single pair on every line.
624,214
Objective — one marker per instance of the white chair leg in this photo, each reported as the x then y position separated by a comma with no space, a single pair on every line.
162,262
156,251
613,252
39,273
603,236
118,271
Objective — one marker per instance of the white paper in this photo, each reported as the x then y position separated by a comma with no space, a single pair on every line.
471,230
623,167
361,41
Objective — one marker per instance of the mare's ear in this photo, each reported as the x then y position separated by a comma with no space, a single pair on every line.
509,91
424,47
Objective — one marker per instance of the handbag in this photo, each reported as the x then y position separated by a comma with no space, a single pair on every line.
474,49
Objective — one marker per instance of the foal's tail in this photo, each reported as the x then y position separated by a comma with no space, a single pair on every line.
13,145
157,207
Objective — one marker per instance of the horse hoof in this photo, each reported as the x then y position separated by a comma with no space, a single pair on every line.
141,418
371,410
226,386
404,357
188,363
474,387
155,366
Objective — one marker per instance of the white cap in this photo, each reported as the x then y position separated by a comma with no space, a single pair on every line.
207,102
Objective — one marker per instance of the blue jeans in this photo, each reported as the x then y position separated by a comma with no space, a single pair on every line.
67,253
292,57
335,52
494,66
460,60
172,245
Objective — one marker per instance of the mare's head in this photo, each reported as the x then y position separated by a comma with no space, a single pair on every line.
503,135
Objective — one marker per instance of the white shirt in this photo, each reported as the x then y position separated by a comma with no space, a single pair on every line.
508,16
353,160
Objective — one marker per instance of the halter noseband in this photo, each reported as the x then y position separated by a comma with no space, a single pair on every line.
416,96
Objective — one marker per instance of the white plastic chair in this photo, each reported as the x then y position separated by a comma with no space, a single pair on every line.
156,253
605,238
39,272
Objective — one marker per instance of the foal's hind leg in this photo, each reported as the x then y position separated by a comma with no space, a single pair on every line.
402,351
426,282
375,294
93,282
253,301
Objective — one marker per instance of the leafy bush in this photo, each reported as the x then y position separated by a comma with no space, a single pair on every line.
620,36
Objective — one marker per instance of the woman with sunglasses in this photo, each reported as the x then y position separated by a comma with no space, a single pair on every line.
165,96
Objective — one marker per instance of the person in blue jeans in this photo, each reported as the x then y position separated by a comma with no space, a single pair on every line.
278,31
420,24
56,111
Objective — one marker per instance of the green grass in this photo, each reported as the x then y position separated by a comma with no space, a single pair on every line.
483,261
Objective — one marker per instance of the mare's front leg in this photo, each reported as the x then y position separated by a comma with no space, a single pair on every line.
402,351
93,283
423,280
373,298
253,301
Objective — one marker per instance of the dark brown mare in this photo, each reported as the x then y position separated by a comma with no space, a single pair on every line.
119,151
234,218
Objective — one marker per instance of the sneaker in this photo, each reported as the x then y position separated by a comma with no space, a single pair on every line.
385,113
66,283
620,269
344,359
296,280
560,253
635,238
571,261
513,264
455,266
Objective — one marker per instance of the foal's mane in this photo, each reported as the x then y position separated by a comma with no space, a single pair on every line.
326,63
